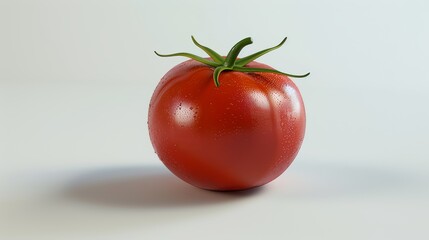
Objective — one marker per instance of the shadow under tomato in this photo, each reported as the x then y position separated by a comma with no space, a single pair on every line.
143,187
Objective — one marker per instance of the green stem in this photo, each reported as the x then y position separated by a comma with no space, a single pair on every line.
192,56
243,61
214,55
235,50
230,63
216,74
246,69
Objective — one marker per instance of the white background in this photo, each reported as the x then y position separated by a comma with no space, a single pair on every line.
76,160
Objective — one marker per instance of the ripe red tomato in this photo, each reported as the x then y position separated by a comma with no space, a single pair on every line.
239,135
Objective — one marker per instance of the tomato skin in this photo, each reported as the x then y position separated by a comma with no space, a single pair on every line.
240,135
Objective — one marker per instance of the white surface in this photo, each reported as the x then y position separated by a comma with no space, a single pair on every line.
76,161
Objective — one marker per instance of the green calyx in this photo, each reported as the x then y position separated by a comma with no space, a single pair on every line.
230,62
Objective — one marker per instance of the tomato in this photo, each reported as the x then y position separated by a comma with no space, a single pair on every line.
239,133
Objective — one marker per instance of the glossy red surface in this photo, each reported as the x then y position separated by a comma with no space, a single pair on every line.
240,135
